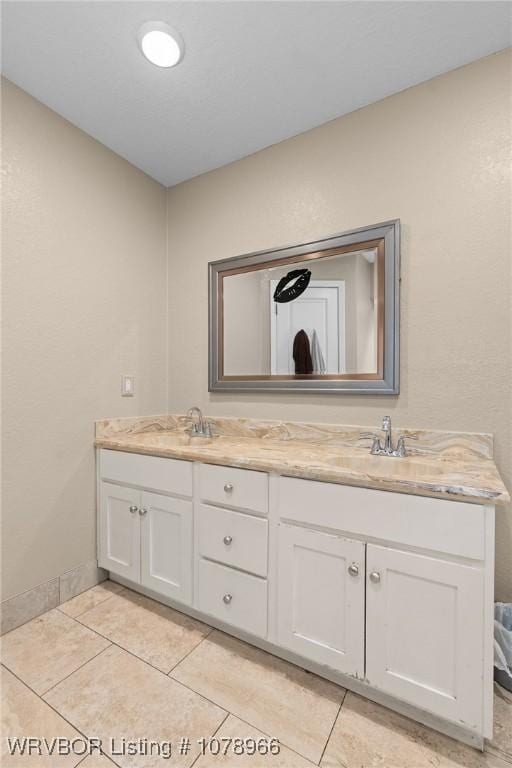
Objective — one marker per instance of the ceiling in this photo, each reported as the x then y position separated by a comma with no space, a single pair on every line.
254,73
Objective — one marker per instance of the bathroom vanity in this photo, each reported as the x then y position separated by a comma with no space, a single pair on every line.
296,539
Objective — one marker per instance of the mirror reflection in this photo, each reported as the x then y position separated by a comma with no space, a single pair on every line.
322,324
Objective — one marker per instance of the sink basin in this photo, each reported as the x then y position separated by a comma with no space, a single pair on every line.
171,439
387,466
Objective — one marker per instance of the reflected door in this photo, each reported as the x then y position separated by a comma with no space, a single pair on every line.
320,308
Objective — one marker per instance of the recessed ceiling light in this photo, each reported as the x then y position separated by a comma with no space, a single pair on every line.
161,44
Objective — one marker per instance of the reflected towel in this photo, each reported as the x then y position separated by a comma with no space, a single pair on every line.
316,354
302,353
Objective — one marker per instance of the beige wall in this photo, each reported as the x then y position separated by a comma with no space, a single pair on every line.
84,299
84,263
437,157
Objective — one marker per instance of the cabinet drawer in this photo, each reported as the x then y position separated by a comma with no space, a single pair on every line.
417,521
153,472
233,597
242,488
233,538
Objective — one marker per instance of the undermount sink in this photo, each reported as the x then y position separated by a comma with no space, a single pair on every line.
384,465
172,438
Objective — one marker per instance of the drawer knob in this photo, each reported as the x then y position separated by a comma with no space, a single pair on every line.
133,508
228,487
353,569
227,540
375,577
227,599
143,512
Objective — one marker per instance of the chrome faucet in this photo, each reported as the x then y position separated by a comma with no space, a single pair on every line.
199,427
386,427
399,451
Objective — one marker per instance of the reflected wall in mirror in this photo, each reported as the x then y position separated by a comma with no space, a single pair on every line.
333,327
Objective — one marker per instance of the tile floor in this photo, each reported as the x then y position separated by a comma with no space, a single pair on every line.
113,665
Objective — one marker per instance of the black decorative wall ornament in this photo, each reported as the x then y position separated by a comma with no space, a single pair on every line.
301,277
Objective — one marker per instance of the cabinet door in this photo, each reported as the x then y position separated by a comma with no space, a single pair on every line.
166,546
424,632
321,601
119,531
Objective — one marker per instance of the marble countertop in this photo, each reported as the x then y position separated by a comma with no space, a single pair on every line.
448,466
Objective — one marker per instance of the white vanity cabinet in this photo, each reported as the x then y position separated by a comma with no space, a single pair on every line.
232,547
119,530
321,583
144,536
390,591
166,546
376,590
425,631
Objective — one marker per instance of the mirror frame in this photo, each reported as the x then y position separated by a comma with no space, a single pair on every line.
386,237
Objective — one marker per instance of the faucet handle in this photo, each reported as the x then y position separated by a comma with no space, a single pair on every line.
367,436
401,449
376,448
376,444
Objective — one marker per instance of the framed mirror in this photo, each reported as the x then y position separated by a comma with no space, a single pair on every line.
315,317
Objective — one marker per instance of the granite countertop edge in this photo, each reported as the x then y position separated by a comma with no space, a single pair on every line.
476,481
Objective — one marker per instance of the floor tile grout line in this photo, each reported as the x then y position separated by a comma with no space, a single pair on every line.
491,749
42,695
107,757
144,661
24,623
56,608
59,714
251,725
83,665
80,762
345,691
192,690
214,703
333,726
109,597
47,704
269,736
102,754
132,653
77,619
191,651
212,736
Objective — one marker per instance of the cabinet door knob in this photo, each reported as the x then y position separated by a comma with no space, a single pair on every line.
353,569
375,577
133,508
143,512
227,599
227,540
228,487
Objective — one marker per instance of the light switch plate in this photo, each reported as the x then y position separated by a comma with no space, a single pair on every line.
127,386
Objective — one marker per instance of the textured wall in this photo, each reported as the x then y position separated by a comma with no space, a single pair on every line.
436,156
84,301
